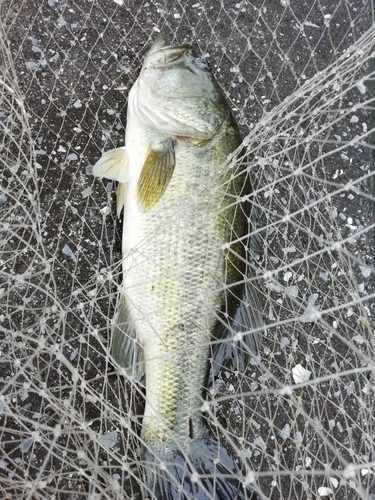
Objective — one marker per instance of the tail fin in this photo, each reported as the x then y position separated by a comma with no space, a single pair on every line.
207,473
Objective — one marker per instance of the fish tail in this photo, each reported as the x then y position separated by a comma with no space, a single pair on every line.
207,472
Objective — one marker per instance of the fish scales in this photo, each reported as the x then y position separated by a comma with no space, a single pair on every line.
172,287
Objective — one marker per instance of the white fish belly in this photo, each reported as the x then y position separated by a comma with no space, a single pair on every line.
173,271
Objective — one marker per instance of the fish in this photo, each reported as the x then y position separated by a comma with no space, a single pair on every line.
185,246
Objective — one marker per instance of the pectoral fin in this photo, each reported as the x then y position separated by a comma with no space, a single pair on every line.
156,173
113,165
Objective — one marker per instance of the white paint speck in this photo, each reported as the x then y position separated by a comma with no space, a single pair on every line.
292,291
311,313
311,25
324,276
109,439
32,65
254,423
286,391
69,252
73,355
349,471
86,192
350,389
289,250
358,338
26,445
333,213
323,491
300,374
275,287
366,271
361,87
287,276
334,482
255,361
350,312
259,442
285,432
77,104
105,210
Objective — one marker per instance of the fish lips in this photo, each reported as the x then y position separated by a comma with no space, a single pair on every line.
168,56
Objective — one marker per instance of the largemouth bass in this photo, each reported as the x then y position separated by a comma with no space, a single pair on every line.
185,227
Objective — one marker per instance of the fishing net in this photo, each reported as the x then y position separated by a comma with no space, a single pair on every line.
299,77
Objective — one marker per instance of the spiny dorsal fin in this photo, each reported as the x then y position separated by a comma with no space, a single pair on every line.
156,173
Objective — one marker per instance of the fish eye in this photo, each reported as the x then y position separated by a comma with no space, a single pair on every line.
202,64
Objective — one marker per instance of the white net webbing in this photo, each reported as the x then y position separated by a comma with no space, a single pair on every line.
300,80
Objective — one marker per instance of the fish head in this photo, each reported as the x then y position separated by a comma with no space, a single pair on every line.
176,93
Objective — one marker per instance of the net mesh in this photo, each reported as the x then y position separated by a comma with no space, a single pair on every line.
298,78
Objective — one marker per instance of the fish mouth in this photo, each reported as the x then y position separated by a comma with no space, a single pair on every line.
168,55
